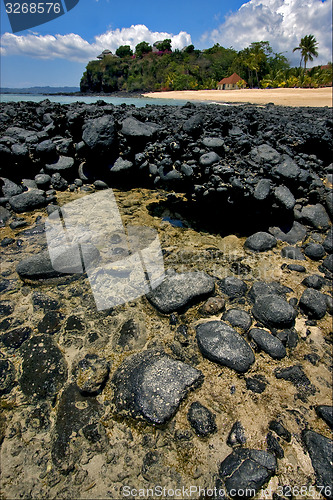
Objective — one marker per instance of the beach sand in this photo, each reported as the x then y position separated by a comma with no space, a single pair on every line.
282,97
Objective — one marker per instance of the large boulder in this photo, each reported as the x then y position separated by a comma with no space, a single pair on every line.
27,201
260,242
99,135
315,216
320,449
131,127
151,385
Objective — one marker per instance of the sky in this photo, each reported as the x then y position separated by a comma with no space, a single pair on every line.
57,52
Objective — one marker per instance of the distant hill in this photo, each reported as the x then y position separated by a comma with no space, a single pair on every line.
39,90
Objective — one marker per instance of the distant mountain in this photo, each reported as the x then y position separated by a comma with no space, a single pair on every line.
39,90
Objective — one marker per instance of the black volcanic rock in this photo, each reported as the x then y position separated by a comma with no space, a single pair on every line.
151,385
268,343
247,470
201,419
320,449
274,311
222,344
179,290
27,201
260,242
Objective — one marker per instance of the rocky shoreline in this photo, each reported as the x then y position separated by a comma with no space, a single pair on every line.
220,377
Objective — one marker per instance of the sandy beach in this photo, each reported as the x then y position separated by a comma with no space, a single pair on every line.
282,97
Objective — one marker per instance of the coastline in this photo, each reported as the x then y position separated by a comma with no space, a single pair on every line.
281,97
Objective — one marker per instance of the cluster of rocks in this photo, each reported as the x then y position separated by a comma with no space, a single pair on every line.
251,162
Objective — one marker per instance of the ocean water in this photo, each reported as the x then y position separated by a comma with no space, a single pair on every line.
139,102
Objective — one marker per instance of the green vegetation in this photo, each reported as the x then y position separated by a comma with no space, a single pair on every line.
158,68
308,47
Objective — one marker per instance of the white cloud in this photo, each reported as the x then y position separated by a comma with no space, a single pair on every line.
74,48
282,22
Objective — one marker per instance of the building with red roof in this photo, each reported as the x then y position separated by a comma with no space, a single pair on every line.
229,83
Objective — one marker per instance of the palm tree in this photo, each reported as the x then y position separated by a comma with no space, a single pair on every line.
308,47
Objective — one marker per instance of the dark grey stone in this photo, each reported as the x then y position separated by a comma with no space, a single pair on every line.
44,369
131,127
222,344
63,164
180,290
245,471
27,201
50,323
320,449
75,411
284,197
268,343
238,318
59,182
262,189
294,253
15,338
6,242
326,413
261,288
313,281
99,135
40,266
236,436
9,188
256,384
296,267
297,377
151,385
295,234
213,143
232,287
208,159
265,154
313,303
6,308
274,446
121,166
315,216
7,376
274,311
201,419
43,301
193,125
328,241
328,262
91,373
280,430
260,242
4,214
287,169
46,151
314,251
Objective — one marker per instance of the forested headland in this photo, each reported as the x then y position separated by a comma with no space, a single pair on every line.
157,67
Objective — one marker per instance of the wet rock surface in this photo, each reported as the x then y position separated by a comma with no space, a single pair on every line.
151,385
179,290
247,470
85,392
222,344
44,370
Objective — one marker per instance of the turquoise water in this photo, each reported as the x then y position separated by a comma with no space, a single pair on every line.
139,102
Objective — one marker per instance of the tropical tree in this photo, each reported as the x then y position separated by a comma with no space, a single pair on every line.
308,47
124,51
142,48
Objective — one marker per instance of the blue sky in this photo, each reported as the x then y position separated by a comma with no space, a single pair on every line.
57,52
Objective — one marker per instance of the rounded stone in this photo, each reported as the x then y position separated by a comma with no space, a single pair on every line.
260,242
274,311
